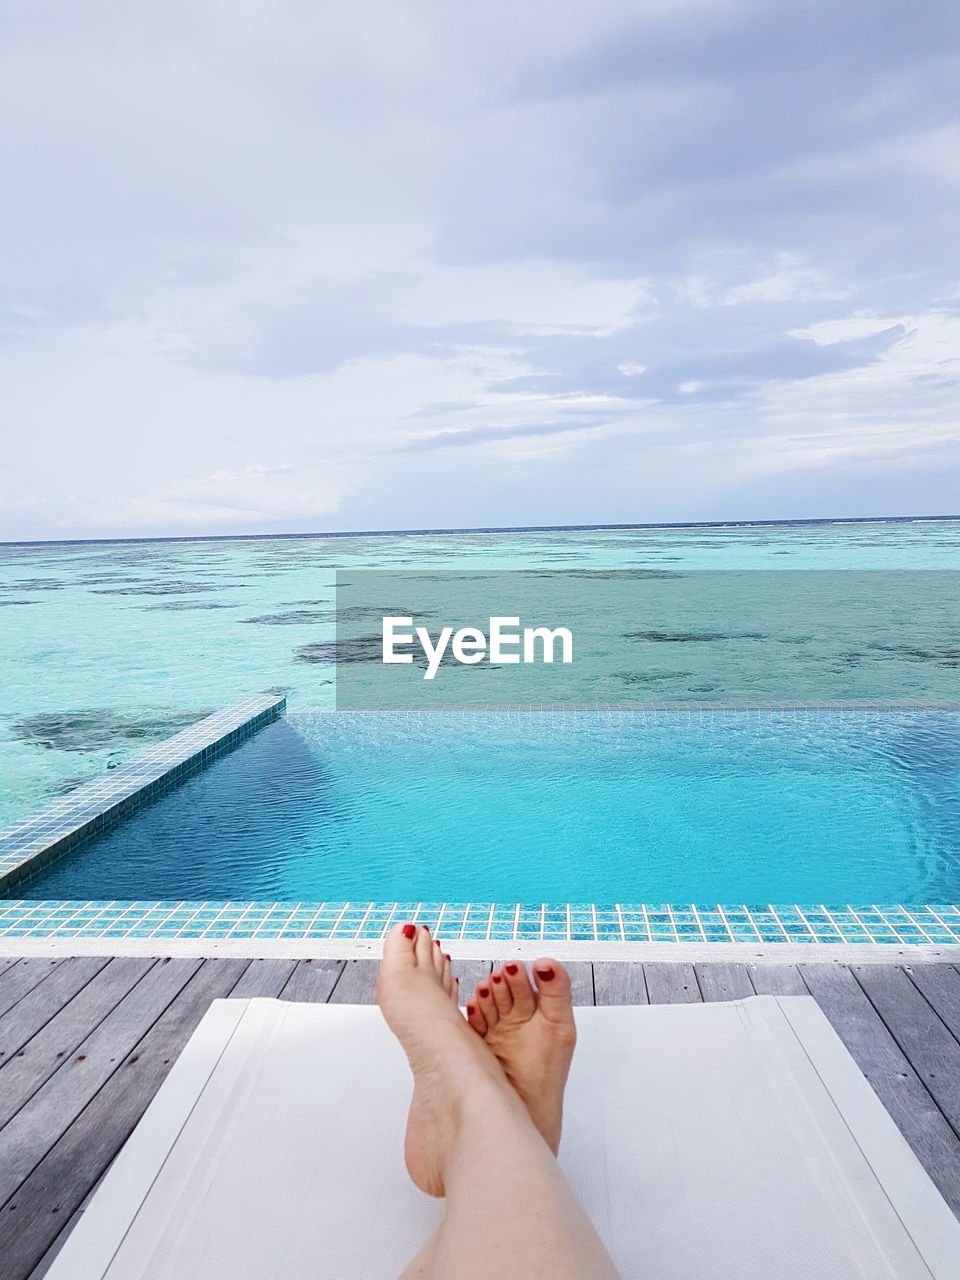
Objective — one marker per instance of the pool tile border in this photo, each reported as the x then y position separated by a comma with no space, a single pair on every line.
206,923
107,800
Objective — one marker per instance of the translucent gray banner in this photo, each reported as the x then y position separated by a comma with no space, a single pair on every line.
486,638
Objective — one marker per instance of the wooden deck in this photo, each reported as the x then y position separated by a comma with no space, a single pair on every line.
85,1043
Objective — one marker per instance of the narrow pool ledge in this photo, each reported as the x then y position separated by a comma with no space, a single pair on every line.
101,804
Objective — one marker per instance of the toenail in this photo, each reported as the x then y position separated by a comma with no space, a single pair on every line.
512,969
436,942
471,1009
409,930
498,977
546,975
449,957
483,991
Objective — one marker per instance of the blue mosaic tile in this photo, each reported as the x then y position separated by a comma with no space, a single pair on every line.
680,925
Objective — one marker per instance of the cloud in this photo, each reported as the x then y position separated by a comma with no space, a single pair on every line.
497,434
714,373
302,265
255,496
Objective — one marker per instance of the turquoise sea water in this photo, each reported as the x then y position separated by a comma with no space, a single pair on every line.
104,646
722,806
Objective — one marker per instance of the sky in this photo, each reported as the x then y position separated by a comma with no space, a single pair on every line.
294,265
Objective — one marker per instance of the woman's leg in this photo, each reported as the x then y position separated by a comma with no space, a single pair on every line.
509,1211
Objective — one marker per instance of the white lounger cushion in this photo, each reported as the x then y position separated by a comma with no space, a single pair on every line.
708,1142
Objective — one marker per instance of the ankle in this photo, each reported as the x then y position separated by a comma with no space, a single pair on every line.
487,1123
489,1102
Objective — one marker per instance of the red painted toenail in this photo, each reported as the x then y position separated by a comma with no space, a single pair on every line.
409,930
471,1009
546,975
436,942
512,969
498,977
449,957
483,991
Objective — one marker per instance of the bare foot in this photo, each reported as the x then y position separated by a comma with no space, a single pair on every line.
454,1073
532,1034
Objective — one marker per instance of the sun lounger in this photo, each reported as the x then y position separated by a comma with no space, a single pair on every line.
708,1142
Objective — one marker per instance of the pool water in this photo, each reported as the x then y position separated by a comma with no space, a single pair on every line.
810,806
105,647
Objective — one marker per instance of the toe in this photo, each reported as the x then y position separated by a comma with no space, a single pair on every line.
399,945
446,974
487,1005
476,1018
501,993
524,1001
438,956
423,947
553,989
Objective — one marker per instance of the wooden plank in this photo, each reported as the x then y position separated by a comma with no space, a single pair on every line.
312,981
931,1049
723,981
619,982
889,1072
263,978
23,977
46,1262
940,983
28,1136
32,1219
7,962
22,1075
358,983
581,981
777,979
34,1011
671,982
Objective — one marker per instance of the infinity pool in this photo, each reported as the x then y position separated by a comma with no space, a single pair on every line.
810,806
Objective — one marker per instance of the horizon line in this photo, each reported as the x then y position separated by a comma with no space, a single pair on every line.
519,528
